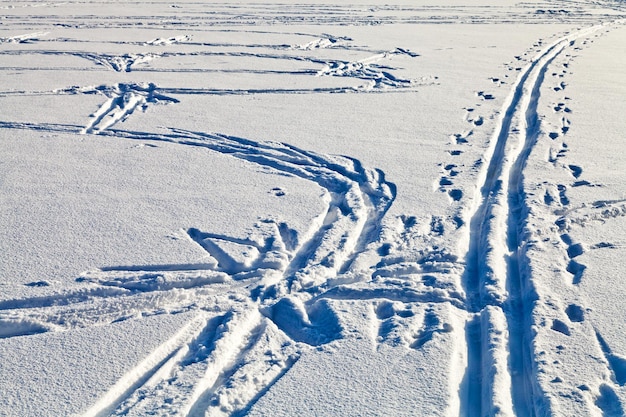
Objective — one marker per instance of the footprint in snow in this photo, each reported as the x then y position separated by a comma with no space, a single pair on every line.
455,194
575,313
462,138
561,327
576,170
485,96
451,170
278,192
562,195
38,284
565,124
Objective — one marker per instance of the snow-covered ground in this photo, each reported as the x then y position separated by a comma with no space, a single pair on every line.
312,208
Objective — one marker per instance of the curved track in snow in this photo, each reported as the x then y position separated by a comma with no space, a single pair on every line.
274,290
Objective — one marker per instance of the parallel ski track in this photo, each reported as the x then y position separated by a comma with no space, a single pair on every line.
495,262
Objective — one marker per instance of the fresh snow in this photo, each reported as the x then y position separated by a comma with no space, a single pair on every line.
312,208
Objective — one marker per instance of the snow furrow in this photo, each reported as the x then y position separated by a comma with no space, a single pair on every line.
268,355
359,197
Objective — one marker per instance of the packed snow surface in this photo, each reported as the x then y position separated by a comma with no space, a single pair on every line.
312,208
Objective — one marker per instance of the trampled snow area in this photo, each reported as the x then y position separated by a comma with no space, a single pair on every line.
312,208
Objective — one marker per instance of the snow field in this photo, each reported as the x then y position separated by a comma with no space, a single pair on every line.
313,209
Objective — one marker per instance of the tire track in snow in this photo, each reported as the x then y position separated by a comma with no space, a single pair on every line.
496,280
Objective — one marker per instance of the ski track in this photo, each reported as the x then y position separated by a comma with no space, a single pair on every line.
377,77
496,278
281,279
278,286
284,272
